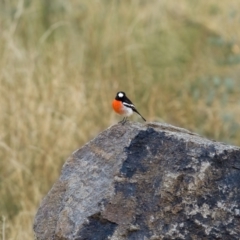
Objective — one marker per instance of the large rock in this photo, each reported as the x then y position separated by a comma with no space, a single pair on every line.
152,181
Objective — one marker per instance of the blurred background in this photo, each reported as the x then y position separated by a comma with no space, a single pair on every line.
62,62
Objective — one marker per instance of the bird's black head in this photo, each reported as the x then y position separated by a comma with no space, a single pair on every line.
120,96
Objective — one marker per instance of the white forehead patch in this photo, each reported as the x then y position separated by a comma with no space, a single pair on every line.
120,95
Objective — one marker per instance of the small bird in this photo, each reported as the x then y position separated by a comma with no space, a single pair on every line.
123,106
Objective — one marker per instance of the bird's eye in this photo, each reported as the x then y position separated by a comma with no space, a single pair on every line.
120,95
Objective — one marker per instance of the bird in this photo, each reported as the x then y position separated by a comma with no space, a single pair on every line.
123,106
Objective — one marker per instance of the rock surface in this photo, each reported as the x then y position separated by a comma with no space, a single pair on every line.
138,182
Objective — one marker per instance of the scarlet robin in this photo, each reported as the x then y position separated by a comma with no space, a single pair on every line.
123,106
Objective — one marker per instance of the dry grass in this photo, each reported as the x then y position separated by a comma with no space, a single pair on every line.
63,61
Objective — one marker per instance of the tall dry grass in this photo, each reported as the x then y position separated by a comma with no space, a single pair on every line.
63,61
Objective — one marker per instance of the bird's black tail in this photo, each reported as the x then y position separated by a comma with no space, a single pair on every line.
135,110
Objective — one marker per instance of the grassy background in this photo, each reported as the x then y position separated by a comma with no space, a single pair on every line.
62,62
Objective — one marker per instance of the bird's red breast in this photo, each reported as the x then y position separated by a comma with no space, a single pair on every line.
118,107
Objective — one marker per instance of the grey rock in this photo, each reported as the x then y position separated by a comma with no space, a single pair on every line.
138,182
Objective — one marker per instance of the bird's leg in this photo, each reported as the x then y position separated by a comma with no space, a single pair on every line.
125,120
122,121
